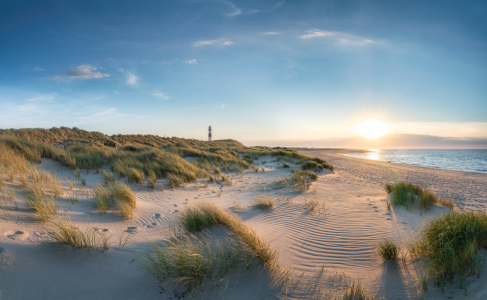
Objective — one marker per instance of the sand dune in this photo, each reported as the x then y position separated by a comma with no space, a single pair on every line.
341,237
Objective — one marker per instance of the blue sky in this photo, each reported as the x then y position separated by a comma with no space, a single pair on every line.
262,72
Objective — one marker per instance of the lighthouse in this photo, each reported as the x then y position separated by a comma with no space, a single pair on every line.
209,134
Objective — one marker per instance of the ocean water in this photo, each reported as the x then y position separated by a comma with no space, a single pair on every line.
461,160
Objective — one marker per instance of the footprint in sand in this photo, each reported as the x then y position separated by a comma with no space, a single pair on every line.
213,192
17,235
156,216
41,234
376,211
388,218
151,225
132,229
174,211
102,230
370,203
196,197
175,204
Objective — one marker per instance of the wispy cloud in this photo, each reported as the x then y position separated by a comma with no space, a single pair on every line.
338,37
270,33
191,62
222,106
82,72
217,43
131,79
236,11
43,98
69,112
160,95
38,69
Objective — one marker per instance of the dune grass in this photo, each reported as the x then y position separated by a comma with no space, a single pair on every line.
263,201
136,156
188,261
108,177
152,179
300,180
404,193
206,214
38,201
450,243
65,233
118,195
387,250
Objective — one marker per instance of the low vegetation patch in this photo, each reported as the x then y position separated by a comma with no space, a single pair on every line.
387,250
207,214
38,201
65,233
450,243
108,177
404,193
263,201
117,195
188,261
299,180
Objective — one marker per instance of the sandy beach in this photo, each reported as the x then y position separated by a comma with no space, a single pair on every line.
325,248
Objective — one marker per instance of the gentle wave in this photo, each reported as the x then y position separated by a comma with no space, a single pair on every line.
473,160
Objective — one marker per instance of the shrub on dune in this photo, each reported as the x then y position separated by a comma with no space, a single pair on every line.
263,202
37,201
207,214
387,250
65,233
450,243
188,261
404,193
135,175
118,195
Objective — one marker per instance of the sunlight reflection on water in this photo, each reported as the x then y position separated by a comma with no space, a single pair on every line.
462,160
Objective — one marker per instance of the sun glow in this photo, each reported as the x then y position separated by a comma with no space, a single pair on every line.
371,129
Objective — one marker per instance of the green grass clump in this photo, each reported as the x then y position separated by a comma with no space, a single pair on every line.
152,179
299,180
206,214
188,261
403,193
65,233
108,177
175,180
450,243
285,165
263,202
118,195
387,250
38,201
135,175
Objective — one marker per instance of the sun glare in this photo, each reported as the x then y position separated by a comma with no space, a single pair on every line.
371,129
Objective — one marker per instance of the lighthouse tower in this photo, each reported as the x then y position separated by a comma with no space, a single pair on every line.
209,134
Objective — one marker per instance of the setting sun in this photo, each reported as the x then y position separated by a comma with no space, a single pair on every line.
371,129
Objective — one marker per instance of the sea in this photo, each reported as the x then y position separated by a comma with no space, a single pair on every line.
474,160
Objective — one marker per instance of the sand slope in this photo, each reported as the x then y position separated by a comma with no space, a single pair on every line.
341,238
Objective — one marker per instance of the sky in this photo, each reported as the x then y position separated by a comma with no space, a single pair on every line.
262,72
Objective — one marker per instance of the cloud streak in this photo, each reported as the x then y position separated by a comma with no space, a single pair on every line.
160,95
131,79
217,43
83,72
338,37
191,62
